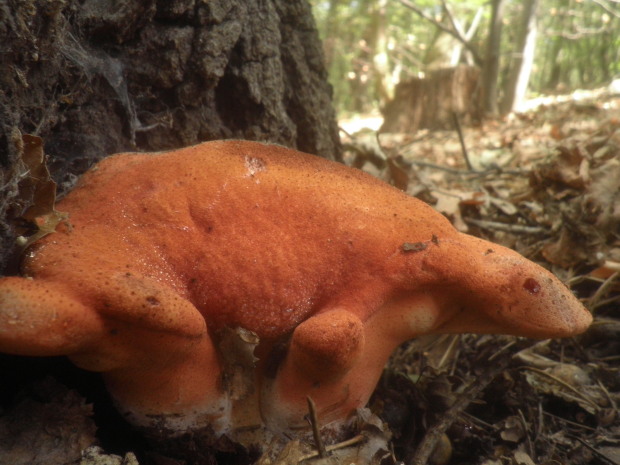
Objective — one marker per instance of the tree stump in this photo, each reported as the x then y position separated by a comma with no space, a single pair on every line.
431,102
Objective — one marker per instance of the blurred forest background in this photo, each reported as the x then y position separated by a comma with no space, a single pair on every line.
544,46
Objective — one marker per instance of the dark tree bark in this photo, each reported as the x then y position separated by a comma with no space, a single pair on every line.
94,77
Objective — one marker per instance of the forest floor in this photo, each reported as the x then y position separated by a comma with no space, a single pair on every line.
546,183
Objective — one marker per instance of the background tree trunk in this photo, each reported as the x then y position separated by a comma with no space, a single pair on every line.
490,71
523,61
378,42
95,77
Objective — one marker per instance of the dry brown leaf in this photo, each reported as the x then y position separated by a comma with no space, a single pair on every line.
570,383
369,447
611,453
37,192
53,429
522,458
506,207
237,350
512,430
292,453
449,203
606,270
565,251
568,168
399,173
604,194
95,455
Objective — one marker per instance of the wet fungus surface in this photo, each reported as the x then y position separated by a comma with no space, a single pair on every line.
221,285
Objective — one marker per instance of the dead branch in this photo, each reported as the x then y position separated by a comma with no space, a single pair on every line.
454,33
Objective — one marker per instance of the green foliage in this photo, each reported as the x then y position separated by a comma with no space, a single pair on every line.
579,46
372,44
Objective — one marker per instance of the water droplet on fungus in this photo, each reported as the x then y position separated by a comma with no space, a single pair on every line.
531,286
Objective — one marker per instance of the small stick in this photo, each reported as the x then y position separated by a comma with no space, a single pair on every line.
568,422
459,131
314,422
341,445
603,290
594,450
564,385
514,228
456,171
430,440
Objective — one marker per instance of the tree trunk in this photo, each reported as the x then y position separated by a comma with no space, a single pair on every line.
553,65
94,77
380,58
490,72
523,60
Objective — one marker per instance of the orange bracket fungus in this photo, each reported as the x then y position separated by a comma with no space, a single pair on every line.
221,285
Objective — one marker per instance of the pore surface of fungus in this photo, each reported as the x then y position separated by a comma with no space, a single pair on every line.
324,268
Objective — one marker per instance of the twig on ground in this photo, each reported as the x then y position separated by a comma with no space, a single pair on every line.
594,450
314,422
505,227
341,445
494,170
459,131
429,442
565,385
603,290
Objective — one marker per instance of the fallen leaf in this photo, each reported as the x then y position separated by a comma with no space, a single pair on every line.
95,455
521,458
53,429
237,349
570,383
512,430
36,193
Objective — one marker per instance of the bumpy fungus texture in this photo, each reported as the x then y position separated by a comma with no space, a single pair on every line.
329,267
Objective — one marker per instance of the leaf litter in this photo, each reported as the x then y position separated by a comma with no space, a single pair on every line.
546,183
